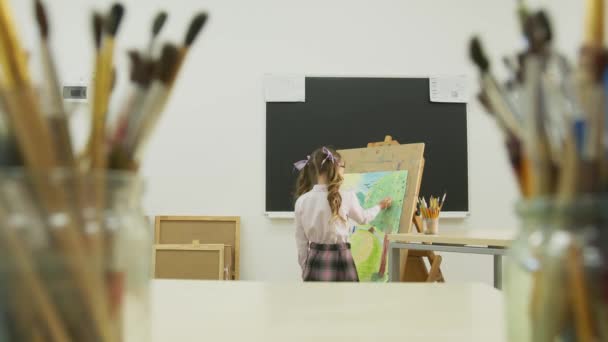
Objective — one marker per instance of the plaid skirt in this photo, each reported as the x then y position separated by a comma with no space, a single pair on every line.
330,262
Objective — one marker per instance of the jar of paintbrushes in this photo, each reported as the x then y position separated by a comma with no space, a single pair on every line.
553,116
574,255
523,264
75,249
74,259
556,272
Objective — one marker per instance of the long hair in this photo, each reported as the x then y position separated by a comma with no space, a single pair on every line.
306,180
323,161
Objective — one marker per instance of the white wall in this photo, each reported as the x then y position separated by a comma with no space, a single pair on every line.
208,155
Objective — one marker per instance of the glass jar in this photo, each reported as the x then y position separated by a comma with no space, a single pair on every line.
75,257
557,278
523,263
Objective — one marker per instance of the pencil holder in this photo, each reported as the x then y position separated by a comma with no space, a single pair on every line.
431,226
74,257
557,272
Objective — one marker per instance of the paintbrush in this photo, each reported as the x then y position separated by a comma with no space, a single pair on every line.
512,144
554,70
55,112
535,143
54,108
159,92
101,245
155,100
102,88
142,69
142,72
196,25
495,95
157,26
97,21
604,170
29,281
592,61
97,142
580,305
506,119
9,153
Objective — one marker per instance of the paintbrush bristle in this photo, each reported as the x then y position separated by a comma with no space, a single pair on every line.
97,29
159,22
114,20
477,55
142,70
545,23
41,18
537,30
195,27
166,68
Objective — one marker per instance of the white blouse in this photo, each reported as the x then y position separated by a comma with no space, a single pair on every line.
314,221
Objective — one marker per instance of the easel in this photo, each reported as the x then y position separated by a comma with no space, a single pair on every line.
413,268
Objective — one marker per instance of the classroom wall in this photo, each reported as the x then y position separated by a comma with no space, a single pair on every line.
207,157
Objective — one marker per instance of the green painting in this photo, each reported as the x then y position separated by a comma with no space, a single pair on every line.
368,242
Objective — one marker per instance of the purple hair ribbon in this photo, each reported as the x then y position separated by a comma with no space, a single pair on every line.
299,165
329,157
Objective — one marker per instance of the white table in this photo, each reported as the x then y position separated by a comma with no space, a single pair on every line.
248,311
489,242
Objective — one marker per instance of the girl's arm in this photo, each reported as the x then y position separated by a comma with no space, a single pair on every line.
301,240
360,215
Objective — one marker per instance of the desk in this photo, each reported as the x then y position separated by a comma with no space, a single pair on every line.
489,242
249,311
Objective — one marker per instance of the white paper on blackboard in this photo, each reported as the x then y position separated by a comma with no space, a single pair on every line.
282,88
451,89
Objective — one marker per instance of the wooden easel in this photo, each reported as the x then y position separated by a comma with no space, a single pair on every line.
413,268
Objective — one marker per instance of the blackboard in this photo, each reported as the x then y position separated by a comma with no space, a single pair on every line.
349,112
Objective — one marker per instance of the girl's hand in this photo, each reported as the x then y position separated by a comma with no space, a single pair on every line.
386,203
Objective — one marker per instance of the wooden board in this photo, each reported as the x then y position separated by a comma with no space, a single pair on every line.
202,262
391,158
228,263
461,237
206,229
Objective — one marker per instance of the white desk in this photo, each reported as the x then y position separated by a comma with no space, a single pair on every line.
492,242
185,311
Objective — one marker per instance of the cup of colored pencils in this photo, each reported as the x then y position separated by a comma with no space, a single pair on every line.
74,244
430,212
554,120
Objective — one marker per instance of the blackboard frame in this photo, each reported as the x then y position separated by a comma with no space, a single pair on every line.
394,102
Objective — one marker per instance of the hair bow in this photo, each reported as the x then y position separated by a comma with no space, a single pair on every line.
299,165
329,157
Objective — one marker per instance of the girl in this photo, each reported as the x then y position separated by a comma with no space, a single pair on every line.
321,215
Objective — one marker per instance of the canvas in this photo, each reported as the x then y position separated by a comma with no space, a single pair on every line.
368,242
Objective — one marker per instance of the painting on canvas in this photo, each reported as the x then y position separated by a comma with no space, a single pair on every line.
368,242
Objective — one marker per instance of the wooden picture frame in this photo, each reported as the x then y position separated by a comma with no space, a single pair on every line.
202,262
185,230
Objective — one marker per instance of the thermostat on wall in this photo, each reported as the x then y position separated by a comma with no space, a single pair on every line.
75,93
